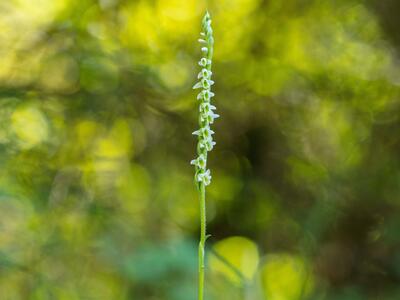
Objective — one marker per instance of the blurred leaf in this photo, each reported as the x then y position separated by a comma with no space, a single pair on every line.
286,277
235,255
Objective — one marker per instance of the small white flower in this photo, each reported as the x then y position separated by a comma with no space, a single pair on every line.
204,177
203,62
207,132
201,161
209,144
204,132
211,117
202,41
204,73
206,83
208,117
206,107
207,94
204,49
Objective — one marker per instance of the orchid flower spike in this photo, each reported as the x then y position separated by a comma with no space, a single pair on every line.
207,116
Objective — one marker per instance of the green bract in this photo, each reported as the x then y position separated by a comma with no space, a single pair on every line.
206,110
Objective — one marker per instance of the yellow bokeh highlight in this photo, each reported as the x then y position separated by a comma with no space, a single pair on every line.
40,11
286,277
140,28
60,74
231,28
86,132
117,143
331,137
149,26
175,73
30,126
134,188
235,255
236,8
178,17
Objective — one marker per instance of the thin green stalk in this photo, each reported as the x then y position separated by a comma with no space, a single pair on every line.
205,140
202,239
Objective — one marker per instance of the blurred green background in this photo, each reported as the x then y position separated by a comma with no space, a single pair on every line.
97,199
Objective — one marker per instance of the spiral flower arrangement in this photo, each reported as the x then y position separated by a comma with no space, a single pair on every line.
204,133
206,109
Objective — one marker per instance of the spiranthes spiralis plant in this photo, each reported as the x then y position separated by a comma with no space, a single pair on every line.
204,134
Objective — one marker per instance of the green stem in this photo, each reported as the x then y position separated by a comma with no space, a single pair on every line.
202,193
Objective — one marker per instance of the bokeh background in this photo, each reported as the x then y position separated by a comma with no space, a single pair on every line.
97,199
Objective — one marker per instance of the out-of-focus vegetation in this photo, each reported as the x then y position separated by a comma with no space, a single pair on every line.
96,192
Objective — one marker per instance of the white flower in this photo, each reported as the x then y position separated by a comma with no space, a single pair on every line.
209,144
205,83
206,107
201,161
204,177
204,73
211,116
203,62
204,132
205,95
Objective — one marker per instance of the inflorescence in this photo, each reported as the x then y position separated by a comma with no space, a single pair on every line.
207,115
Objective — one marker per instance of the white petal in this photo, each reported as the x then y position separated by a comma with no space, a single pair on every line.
197,85
203,62
200,177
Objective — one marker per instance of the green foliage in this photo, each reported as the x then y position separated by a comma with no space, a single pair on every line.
96,109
